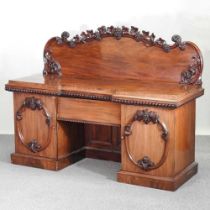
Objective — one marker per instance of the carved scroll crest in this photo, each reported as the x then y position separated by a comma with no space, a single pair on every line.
119,32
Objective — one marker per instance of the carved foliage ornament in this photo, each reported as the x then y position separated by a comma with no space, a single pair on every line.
118,32
33,104
147,117
51,66
193,74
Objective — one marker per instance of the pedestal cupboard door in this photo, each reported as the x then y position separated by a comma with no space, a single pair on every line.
35,125
147,140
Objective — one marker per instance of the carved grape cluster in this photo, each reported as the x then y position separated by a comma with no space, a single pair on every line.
145,163
146,116
34,146
33,103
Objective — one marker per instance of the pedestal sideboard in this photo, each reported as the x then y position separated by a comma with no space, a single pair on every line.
118,94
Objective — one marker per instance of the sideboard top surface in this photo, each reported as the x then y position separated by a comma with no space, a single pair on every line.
109,88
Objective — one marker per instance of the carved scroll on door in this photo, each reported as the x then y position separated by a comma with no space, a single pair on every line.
34,104
145,163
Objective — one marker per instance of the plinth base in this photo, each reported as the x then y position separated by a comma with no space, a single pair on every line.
164,183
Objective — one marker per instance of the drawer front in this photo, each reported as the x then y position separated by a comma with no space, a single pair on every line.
90,111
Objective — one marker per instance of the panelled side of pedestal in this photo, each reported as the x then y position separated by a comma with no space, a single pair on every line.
185,138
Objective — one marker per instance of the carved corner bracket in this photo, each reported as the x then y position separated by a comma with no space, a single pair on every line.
147,117
33,104
193,74
51,66
118,32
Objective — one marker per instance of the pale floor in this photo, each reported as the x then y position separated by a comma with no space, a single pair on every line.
91,185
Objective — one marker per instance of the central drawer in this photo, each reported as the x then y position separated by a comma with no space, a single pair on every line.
89,111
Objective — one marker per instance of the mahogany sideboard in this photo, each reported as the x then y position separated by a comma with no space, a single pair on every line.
118,94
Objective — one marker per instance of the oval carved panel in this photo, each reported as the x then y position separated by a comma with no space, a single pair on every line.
147,117
33,104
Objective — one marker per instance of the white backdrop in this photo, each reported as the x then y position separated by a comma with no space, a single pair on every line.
25,26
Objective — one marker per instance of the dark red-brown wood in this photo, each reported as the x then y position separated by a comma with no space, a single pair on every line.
118,94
